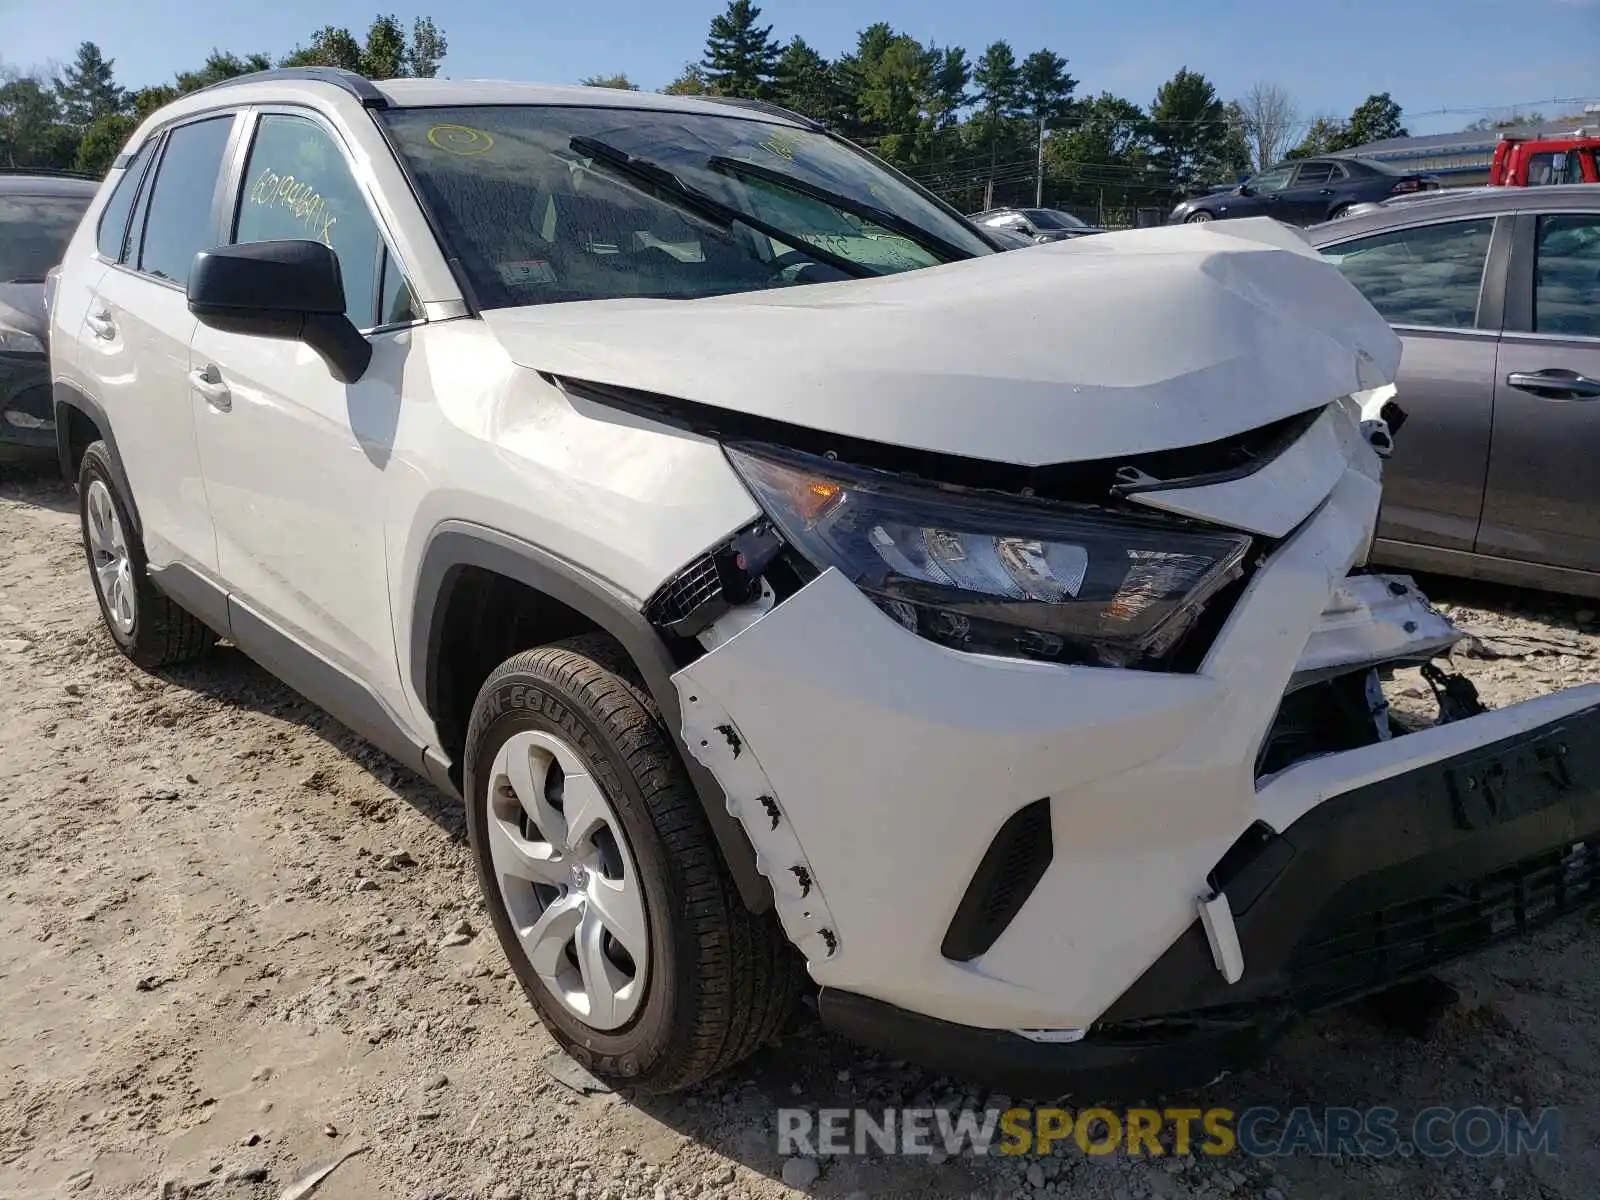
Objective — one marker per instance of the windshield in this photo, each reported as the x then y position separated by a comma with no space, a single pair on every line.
546,203
1049,218
34,232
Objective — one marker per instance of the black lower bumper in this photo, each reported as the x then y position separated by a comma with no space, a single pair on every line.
1369,888
25,391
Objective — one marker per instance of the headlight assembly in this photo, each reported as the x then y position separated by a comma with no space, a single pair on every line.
992,574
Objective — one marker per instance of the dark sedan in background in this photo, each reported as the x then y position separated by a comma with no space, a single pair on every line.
1035,224
1496,295
38,214
1304,192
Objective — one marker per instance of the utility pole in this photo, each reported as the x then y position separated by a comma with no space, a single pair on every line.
1038,170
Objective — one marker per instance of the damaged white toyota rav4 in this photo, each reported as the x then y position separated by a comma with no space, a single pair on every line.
789,584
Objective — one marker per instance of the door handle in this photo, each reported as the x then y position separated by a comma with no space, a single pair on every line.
1555,384
208,382
101,325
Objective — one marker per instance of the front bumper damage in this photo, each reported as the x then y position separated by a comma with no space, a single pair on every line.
1068,879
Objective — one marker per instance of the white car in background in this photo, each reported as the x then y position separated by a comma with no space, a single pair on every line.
790,585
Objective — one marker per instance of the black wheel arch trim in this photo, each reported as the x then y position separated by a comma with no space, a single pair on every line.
67,399
456,545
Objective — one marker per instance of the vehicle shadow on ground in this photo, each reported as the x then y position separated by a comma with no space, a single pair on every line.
232,678
39,484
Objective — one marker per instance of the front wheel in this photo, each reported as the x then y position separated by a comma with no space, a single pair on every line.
149,628
603,879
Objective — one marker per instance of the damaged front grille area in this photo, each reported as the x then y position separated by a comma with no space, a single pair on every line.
1356,953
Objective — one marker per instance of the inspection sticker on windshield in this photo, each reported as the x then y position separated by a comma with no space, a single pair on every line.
533,273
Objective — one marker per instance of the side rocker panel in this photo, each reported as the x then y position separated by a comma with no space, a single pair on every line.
457,544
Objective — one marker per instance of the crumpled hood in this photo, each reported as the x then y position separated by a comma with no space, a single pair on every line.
1123,343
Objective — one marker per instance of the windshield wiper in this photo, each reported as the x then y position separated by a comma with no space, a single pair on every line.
941,249
661,182
25,279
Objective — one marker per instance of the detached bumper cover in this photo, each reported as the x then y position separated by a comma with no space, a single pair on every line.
1368,888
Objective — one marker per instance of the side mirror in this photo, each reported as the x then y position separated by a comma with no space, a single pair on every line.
1246,190
288,289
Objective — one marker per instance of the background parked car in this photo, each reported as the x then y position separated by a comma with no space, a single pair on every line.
1496,294
1304,192
1039,224
37,216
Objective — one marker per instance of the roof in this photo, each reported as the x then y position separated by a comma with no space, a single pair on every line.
1464,141
1468,202
21,184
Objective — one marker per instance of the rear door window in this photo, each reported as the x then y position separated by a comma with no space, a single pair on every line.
112,233
1430,275
1314,174
179,224
1566,282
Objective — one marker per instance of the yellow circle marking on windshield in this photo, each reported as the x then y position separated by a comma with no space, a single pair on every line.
780,145
460,139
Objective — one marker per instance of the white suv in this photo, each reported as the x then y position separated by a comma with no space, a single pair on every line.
787,582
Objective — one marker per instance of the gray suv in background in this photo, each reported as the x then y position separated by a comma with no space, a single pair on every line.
1496,295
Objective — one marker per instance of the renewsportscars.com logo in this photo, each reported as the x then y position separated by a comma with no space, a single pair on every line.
1259,1132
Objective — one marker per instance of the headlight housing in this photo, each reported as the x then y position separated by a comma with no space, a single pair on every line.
14,341
992,574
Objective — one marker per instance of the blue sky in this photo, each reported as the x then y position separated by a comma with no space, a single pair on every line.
1430,54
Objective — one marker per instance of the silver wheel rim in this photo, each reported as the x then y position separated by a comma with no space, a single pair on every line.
1199,218
108,551
567,879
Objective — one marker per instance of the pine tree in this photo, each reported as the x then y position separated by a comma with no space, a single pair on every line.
741,56
88,89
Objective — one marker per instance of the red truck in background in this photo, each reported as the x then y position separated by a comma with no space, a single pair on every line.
1534,162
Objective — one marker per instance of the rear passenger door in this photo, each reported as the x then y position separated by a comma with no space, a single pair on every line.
135,343
1428,282
1307,200
1543,502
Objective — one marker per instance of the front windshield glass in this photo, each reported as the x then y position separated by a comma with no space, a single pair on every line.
549,203
34,232
1049,218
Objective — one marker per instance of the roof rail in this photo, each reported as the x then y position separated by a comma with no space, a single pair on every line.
358,86
766,106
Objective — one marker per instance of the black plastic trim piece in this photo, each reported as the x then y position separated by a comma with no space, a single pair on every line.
1103,1068
1399,842
767,108
343,696
67,398
358,86
1011,868
1091,482
454,545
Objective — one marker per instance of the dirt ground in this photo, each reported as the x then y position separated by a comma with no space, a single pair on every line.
226,956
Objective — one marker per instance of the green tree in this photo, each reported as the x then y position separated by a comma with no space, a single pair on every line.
620,81
894,89
807,83
330,46
1325,135
1045,88
952,75
999,83
741,56
32,133
384,54
691,81
426,50
88,89
1104,155
1190,128
103,140
147,99
1376,119
1232,156
219,65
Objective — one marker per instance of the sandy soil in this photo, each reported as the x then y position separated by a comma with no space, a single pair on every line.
221,964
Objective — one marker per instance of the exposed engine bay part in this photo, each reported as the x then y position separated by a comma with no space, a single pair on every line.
713,738
1374,620
721,579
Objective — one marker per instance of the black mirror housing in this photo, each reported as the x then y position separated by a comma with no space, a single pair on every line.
284,289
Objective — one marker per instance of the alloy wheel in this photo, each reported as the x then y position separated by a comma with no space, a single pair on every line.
113,568
568,881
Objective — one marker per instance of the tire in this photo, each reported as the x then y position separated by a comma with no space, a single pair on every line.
1198,218
716,980
146,626
1339,211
